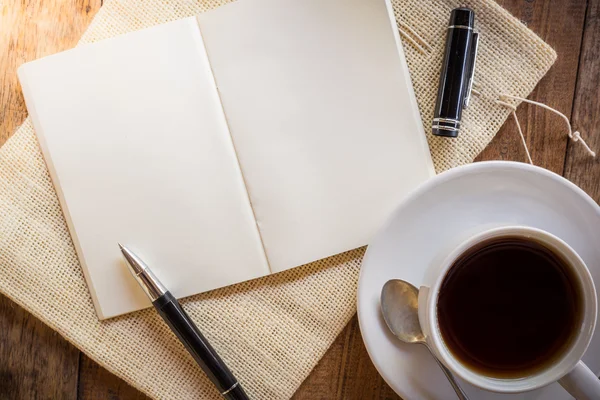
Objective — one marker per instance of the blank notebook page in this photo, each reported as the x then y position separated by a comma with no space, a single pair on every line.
322,113
136,142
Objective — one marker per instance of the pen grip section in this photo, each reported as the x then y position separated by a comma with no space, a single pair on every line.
205,355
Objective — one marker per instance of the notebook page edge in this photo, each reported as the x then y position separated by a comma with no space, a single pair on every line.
39,134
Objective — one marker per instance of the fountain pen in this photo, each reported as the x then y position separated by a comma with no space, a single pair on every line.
186,331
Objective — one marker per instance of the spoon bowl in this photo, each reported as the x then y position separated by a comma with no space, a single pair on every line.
399,306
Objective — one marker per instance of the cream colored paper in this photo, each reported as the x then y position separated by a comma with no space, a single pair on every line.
321,110
289,319
148,152
139,151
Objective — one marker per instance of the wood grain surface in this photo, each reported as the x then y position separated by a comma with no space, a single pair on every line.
36,363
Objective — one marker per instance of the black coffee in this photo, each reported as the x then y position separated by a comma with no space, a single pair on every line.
508,307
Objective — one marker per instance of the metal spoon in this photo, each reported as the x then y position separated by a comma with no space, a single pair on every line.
399,305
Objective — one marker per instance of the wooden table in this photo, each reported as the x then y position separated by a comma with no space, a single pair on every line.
37,363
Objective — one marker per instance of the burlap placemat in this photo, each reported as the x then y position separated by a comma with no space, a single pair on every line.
271,331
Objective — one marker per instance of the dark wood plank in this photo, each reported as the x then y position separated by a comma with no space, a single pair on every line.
324,381
346,360
559,23
581,169
37,363
96,382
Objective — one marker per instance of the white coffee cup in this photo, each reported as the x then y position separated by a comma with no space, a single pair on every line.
567,369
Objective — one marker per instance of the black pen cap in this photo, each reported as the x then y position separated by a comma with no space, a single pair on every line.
462,17
456,73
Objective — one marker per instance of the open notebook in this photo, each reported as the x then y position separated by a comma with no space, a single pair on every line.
245,141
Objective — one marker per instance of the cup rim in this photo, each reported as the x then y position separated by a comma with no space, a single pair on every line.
548,375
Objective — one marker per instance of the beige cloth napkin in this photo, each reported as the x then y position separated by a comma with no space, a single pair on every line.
271,331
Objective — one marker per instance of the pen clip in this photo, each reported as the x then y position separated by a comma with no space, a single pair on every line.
472,59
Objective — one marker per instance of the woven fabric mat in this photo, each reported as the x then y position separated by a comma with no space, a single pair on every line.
270,331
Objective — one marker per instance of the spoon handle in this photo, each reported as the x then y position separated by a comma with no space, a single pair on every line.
459,392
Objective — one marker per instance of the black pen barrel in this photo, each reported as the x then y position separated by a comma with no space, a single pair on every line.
455,74
197,345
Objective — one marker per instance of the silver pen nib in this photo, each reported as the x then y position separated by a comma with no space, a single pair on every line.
144,276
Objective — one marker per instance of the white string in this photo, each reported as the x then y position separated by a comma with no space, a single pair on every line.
513,112
416,35
412,41
575,136
408,37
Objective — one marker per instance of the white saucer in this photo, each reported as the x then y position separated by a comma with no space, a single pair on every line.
438,216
